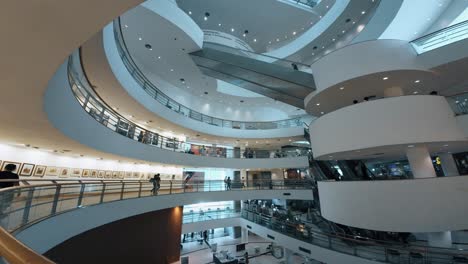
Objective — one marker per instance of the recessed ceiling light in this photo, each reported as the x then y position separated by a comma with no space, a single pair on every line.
255,40
277,40
417,81
126,26
415,92
172,70
333,40
205,18
326,6
159,57
189,12
354,22
343,31
363,12
232,30
269,42
294,33
317,104
385,78
342,88
139,38
322,113
446,145
410,146
219,24
457,102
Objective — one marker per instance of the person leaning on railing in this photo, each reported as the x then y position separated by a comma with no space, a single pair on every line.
8,174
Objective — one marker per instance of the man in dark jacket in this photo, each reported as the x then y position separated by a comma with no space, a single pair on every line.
8,174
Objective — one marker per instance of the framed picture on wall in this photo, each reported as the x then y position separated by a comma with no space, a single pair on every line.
94,173
108,174
52,171
128,174
64,172
27,169
86,173
101,174
121,174
76,172
136,174
115,174
39,171
18,165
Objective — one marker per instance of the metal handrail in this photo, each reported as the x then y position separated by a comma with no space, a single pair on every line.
358,246
111,119
162,98
39,199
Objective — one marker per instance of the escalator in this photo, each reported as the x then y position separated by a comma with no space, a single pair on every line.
280,79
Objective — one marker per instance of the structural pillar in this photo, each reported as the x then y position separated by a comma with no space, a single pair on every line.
245,235
288,256
420,162
440,239
393,91
448,164
421,165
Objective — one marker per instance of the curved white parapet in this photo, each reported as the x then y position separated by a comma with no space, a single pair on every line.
66,225
116,73
68,116
385,123
364,58
358,70
422,205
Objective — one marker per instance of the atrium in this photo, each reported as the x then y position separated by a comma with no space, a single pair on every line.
247,131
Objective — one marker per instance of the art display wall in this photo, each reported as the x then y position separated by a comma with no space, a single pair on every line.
32,162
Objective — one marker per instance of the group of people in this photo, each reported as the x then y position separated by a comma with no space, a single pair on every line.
249,153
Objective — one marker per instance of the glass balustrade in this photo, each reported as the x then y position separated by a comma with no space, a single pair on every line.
109,118
441,37
38,199
376,250
459,103
165,100
193,217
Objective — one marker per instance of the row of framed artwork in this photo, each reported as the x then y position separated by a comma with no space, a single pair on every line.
35,170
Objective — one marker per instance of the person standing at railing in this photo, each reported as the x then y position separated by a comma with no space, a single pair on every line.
228,183
7,197
8,174
140,136
156,181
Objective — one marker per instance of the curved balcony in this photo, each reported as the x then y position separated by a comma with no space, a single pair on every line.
33,209
170,150
166,101
414,205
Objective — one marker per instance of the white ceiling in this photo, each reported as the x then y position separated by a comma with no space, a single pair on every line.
168,62
265,20
110,90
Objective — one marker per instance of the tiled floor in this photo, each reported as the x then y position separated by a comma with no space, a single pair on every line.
201,254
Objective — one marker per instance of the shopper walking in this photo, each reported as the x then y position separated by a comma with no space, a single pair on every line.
228,183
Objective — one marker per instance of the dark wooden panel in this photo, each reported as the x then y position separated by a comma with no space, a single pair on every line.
147,238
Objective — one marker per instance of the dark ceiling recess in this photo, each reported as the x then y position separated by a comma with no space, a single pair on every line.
246,32
206,92
182,80
315,47
207,14
241,101
348,20
148,46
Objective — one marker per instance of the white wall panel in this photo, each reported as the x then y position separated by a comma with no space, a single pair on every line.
420,205
384,122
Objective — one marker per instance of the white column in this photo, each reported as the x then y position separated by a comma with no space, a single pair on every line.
393,91
245,235
440,239
448,164
288,256
420,162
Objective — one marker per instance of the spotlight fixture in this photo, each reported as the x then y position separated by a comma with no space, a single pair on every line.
148,46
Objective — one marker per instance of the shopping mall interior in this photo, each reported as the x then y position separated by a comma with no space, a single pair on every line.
247,131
